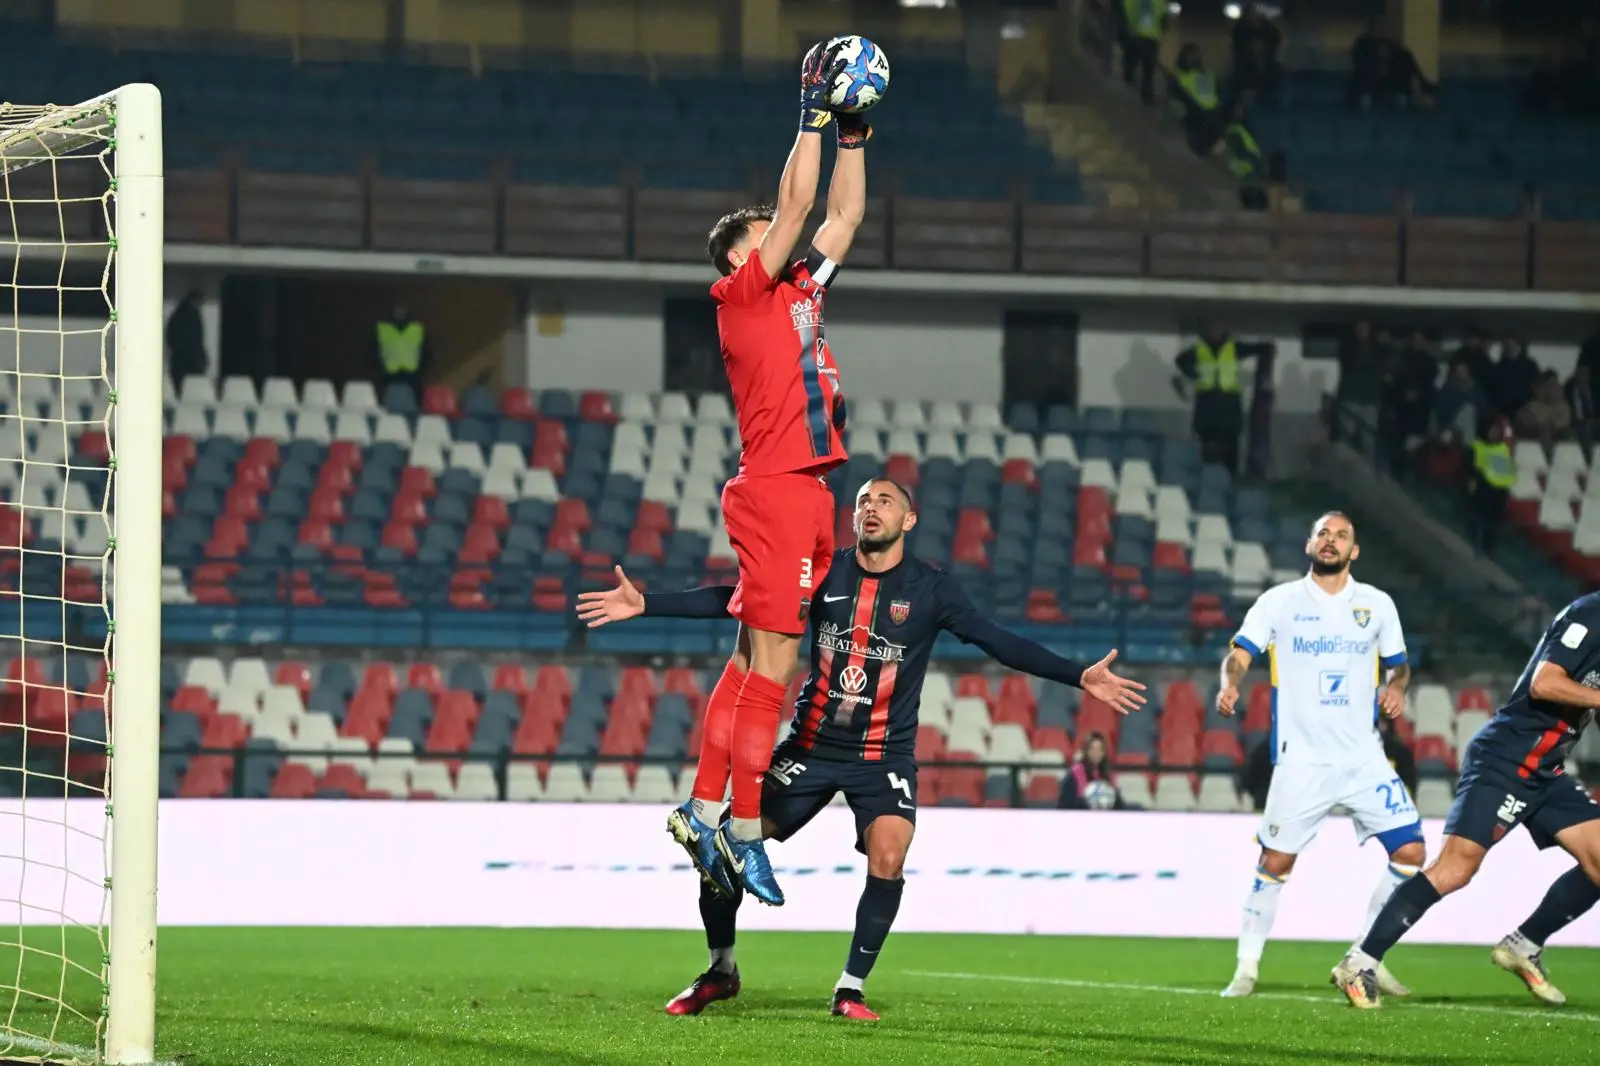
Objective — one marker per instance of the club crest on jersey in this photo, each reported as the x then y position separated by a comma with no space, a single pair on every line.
899,611
1362,615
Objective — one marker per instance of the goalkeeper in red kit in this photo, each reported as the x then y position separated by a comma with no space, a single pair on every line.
778,510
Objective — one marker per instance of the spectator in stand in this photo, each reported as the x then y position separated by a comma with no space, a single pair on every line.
1589,354
1489,483
1383,71
1211,367
400,348
1458,406
1413,383
1474,351
1512,378
1546,417
1579,393
186,339
1362,357
1139,33
1089,783
1196,89
1256,40
1399,756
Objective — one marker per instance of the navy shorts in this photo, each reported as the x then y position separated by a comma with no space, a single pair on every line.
1492,799
798,785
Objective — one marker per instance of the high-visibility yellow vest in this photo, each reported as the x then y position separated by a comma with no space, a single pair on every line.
1144,17
400,349
1201,86
1216,369
1493,462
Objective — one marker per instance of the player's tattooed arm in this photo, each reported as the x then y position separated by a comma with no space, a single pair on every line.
1234,666
1398,677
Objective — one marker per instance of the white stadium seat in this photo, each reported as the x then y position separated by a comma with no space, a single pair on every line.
313,425
279,392
239,391
1435,711
522,782
673,409
907,414
1135,501
982,444
1099,473
476,782
868,412
946,414
636,407
711,409
1434,798
319,395
1023,446
1058,448
985,416
1137,472
196,390
1212,529
362,397
1556,514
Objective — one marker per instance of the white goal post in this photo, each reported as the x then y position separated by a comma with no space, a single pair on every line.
81,209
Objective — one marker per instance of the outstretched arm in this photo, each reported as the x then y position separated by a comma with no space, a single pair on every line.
847,190
626,601
797,188
962,619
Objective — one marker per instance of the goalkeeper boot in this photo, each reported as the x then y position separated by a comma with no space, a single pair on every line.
708,988
700,841
747,861
1513,955
849,1003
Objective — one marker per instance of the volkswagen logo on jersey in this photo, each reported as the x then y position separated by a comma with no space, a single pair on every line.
853,679
1362,615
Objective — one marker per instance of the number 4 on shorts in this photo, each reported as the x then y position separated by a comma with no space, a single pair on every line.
899,784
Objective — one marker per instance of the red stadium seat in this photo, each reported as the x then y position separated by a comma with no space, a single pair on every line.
194,699
408,509
624,738
425,676
1094,502
317,533
439,399
224,731
654,517
647,543
536,736
381,678
229,536
510,677
1179,749
930,744
565,540
208,777
256,475
335,478
637,681
1475,699
294,781
573,514
1042,791
293,673
327,504
179,448
553,678
1181,702
1434,752
491,511
1019,472
401,536
345,454
550,435
1258,712
597,407
683,681
92,445
969,550
902,468
263,450
1224,742
1097,717
417,481
974,686
480,545
1087,552
1052,738
1170,556
518,403
342,778
974,522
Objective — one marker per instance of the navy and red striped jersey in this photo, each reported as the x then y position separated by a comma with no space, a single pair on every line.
872,635
1539,734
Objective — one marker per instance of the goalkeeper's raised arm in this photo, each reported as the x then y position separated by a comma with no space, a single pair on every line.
847,190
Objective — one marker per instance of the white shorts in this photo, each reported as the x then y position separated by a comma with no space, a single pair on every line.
1301,796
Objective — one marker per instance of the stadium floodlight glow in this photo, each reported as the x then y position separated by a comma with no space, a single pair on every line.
81,371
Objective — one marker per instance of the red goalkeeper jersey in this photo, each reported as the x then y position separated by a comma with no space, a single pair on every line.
784,381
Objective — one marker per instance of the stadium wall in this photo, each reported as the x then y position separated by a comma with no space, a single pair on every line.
333,862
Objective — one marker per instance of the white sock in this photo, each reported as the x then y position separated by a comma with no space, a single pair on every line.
1519,943
848,981
1394,875
746,828
722,960
1260,908
708,811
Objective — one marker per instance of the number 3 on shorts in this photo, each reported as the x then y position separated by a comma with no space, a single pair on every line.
899,784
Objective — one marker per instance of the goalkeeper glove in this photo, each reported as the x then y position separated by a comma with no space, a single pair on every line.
852,128
817,73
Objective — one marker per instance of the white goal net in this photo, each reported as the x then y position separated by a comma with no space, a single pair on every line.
80,555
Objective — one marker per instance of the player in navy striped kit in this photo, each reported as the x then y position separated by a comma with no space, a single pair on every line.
874,622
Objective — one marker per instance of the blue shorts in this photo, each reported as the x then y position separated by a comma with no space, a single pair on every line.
1492,799
799,784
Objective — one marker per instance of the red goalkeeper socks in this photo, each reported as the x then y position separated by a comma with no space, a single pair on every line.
716,743
755,732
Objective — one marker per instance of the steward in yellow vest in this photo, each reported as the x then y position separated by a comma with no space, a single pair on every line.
401,346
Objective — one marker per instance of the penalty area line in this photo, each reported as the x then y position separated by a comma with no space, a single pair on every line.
1290,997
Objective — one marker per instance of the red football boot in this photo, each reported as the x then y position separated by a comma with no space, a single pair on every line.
706,990
848,1003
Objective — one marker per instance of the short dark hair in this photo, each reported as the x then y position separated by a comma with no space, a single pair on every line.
731,229
911,502
1336,514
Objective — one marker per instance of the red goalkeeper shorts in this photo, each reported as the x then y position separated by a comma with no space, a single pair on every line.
781,529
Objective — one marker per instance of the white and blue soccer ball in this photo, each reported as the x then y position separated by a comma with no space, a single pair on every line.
865,77
1100,795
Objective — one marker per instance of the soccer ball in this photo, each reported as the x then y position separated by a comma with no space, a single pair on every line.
1100,796
865,77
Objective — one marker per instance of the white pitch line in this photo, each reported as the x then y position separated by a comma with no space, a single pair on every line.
10,1041
1532,1013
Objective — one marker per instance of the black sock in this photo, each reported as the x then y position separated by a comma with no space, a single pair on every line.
1568,900
880,901
718,914
1404,909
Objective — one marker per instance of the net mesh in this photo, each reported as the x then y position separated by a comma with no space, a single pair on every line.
57,457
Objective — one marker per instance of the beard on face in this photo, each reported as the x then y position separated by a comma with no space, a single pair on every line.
877,543
1326,567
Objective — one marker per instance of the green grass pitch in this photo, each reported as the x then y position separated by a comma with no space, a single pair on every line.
476,997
